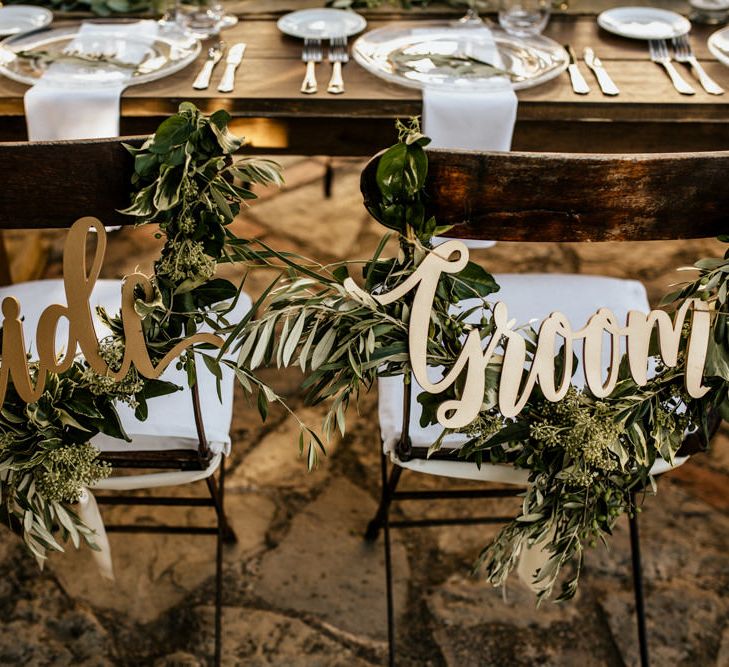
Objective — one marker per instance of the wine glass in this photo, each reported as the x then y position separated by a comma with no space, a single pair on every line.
471,18
208,19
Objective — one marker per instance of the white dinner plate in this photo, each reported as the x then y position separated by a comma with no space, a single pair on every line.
644,23
65,56
15,19
719,45
321,23
436,53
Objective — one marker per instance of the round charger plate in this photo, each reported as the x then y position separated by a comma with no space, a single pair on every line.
447,55
62,56
321,23
15,19
644,23
719,45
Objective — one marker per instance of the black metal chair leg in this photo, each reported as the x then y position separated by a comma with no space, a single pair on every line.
390,601
638,587
328,179
216,493
222,524
388,487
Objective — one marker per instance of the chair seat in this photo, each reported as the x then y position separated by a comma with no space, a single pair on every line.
171,422
530,298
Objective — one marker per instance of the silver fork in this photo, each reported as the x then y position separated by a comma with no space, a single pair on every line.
338,56
659,54
311,55
683,53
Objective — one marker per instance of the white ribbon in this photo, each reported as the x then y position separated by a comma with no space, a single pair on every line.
88,510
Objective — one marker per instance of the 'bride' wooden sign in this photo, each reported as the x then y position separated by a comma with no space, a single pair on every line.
452,257
79,284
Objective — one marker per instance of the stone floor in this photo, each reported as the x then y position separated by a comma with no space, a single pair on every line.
302,588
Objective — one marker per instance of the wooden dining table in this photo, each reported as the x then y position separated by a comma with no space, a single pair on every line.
647,115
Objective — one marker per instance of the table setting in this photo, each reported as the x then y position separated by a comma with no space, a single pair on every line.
344,48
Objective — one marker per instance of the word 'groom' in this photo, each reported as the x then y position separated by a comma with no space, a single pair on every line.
513,394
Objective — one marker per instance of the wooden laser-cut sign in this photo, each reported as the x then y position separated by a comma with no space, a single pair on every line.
513,394
79,283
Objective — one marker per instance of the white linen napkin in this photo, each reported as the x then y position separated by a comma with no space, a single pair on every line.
468,116
56,111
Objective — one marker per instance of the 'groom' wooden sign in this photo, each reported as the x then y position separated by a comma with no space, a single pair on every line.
79,284
452,257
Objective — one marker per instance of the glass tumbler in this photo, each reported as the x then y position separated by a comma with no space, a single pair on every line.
710,12
523,18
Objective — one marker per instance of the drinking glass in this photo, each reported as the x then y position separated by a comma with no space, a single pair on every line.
471,17
208,19
523,18
710,12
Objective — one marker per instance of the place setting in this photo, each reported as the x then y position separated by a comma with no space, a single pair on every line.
323,31
667,35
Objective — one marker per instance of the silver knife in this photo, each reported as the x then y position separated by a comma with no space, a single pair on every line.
235,55
579,85
215,53
603,78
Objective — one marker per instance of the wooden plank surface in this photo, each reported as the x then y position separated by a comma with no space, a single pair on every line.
267,99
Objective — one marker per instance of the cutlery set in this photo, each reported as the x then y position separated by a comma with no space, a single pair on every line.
659,53
313,53
579,85
215,55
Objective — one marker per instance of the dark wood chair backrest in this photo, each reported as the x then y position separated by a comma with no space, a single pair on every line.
47,185
574,197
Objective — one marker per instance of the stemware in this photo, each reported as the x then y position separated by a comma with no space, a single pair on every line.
471,17
208,19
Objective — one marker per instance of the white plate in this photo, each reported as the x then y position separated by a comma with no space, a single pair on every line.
321,23
644,23
15,19
401,53
719,45
137,59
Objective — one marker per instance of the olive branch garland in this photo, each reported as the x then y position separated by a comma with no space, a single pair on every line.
587,458
187,182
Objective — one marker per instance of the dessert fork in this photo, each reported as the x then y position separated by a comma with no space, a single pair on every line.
338,56
311,55
683,53
659,54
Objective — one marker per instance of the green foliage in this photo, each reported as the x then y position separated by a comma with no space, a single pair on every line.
100,7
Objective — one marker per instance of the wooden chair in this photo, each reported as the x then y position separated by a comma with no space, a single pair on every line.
534,197
51,185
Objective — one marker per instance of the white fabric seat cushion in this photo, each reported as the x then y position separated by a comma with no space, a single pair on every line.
529,297
171,422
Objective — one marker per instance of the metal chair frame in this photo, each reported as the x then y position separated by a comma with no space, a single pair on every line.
389,494
187,460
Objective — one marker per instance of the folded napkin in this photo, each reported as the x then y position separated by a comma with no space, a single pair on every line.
54,111
469,116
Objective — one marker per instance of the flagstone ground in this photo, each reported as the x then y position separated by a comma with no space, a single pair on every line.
302,589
